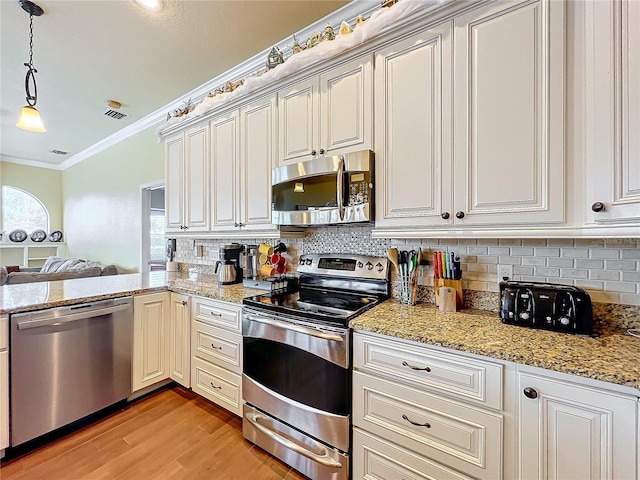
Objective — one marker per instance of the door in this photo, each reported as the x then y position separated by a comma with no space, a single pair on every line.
150,339
174,181
180,340
196,188
224,171
298,122
509,114
258,157
413,130
346,107
568,431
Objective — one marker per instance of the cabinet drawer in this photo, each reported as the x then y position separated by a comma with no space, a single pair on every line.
466,438
218,346
4,332
219,314
221,386
453,375
377,458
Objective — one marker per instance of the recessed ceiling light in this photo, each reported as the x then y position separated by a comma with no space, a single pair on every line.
151,5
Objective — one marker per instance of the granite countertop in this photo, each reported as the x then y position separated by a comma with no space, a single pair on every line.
36,296
611,357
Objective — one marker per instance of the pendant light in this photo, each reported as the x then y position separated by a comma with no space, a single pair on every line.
29,116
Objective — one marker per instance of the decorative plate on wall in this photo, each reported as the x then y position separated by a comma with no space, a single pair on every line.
38,236
18,236
55,236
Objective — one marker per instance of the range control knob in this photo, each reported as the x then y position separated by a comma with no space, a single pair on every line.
369,266
564,320
524,315
309,261
379,267
360,264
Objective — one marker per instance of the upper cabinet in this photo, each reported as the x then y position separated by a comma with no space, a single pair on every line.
327,114
469,121
187,180
613,113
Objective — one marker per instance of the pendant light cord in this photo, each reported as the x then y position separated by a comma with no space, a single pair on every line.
31,99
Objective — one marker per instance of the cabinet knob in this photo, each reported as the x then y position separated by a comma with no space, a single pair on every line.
185,303
236,224
445,215
530,392
313,152
598,207
322,151
460,214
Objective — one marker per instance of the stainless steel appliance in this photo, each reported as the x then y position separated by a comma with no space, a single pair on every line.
67,363
563,308
249,261
324,191
228,267
297,361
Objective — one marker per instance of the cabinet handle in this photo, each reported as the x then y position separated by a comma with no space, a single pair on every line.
530,392
598,207
213,386
216,314
217,348
322,151
313,152
460,214
445,215
426,369
416,423
184,303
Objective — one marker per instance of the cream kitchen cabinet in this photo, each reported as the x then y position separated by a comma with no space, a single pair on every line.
243,152
216,352
151,328
327,114
613,114
4,383
180,339
469,121
571,430
187,181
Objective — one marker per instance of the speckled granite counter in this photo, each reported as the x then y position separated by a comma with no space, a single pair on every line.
36,296
612,357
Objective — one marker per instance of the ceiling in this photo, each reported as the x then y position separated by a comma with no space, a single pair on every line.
90,51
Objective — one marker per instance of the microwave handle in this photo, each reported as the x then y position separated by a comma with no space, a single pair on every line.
340,188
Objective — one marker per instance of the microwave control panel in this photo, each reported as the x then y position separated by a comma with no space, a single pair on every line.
359,187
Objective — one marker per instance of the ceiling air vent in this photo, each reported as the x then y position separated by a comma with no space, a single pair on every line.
58,152
115,114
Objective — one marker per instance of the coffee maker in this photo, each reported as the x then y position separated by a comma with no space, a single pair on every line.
228,267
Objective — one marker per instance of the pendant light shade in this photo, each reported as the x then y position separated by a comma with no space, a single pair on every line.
30,120
29,116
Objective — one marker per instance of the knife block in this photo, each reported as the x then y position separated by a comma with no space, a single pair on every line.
455,284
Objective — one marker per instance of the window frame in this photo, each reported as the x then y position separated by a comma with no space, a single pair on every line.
3,227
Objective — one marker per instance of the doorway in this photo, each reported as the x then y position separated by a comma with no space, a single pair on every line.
152,241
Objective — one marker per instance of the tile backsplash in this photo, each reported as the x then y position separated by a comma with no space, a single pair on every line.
609,269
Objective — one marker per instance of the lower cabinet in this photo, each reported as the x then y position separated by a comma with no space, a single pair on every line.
216,352
417,413
4,383
180,339
151,317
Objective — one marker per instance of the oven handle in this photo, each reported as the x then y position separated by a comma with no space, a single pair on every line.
323,459
297,328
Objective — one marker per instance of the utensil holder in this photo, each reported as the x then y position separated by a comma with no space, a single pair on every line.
455,284
408,289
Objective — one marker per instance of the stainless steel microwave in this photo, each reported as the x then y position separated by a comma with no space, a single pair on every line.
324,191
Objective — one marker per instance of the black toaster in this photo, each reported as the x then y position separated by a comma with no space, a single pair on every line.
562,308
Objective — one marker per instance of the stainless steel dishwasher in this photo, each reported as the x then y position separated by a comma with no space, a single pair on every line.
67,363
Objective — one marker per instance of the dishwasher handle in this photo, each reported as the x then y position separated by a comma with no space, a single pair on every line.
70,317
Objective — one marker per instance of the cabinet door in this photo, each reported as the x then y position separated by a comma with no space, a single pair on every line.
413,130
224,171
346,107
298,122
174,181
196,187
613,116
4,399
570,431
180,339
150,339
509,114
258,157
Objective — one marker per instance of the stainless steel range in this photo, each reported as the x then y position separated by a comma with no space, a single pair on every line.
297,362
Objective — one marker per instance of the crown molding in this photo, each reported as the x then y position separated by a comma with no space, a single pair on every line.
31,163
250,66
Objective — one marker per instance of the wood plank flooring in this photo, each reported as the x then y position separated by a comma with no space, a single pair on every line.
171,434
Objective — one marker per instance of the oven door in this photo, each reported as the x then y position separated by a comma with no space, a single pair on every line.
299,373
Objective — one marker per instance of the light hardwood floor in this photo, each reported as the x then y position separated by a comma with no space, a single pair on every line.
172,434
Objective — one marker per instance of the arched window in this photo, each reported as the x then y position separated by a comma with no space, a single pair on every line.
22,210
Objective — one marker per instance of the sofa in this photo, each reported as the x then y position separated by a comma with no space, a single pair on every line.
55,268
